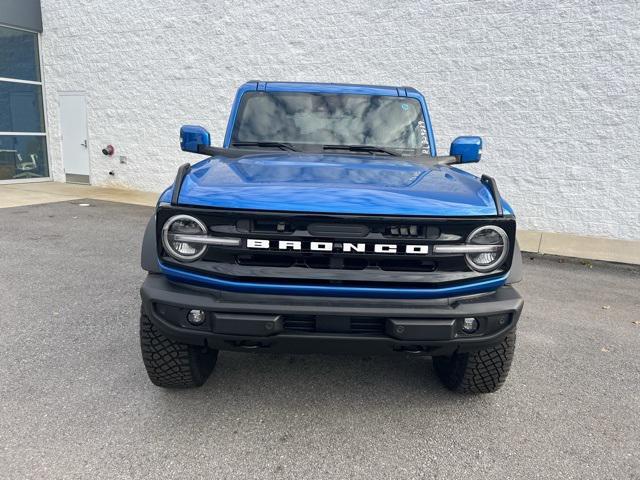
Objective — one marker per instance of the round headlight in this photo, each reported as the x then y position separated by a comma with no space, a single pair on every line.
176,230
496,246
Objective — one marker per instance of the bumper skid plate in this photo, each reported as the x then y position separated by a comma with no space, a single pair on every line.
239,321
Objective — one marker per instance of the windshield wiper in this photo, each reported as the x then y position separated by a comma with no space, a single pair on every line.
363,148
280,145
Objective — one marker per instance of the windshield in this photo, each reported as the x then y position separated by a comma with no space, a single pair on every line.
325,122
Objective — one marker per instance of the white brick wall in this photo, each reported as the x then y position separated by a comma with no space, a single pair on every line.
553,87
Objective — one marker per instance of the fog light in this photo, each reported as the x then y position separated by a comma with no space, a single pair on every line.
470,325
196,317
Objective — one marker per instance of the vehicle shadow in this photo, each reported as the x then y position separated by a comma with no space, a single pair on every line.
298,385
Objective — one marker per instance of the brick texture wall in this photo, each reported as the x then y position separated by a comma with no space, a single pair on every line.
552,86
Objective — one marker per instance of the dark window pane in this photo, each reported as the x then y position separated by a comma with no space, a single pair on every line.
21,107
331,119
23,156
19,54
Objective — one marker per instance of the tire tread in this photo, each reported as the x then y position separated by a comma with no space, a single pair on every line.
482,371
172,364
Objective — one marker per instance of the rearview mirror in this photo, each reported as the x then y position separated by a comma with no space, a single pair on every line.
192,136
466,149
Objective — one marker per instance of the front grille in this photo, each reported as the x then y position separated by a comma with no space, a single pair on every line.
341,265
326,262
352,325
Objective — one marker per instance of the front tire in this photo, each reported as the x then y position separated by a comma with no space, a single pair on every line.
481,371
171,364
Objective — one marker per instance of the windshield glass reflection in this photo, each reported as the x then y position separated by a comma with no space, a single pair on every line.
315,119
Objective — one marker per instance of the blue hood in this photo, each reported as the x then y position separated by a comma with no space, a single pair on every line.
331,183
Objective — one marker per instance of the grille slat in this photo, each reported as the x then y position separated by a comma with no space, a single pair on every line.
355,325
299,324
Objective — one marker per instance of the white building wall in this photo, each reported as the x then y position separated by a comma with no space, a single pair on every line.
553,87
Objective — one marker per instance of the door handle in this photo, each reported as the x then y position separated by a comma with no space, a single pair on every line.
84,144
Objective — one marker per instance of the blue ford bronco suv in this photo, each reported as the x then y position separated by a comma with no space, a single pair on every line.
327,223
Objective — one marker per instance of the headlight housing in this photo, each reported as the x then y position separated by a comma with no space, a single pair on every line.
496,247
176,230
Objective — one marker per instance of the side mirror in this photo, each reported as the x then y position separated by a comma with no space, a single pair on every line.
466,149
192,136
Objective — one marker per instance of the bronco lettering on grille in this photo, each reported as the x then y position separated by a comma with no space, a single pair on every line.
296,245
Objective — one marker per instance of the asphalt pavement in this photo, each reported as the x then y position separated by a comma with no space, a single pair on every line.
75,401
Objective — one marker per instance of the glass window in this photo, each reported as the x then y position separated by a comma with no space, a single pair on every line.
21,110
19,54
22,157
21,107
316,119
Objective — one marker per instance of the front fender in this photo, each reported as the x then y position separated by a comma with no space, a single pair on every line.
515,274
149,255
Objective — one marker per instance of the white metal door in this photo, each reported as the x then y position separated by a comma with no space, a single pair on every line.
73,126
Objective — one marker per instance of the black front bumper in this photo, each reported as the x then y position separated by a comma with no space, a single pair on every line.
242,321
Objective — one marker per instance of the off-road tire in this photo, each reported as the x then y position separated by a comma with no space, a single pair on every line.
171,364
482,371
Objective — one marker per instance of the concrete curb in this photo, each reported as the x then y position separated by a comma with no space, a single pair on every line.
593,248
34,193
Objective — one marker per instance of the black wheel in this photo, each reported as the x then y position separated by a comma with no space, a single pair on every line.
482,371
171,364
